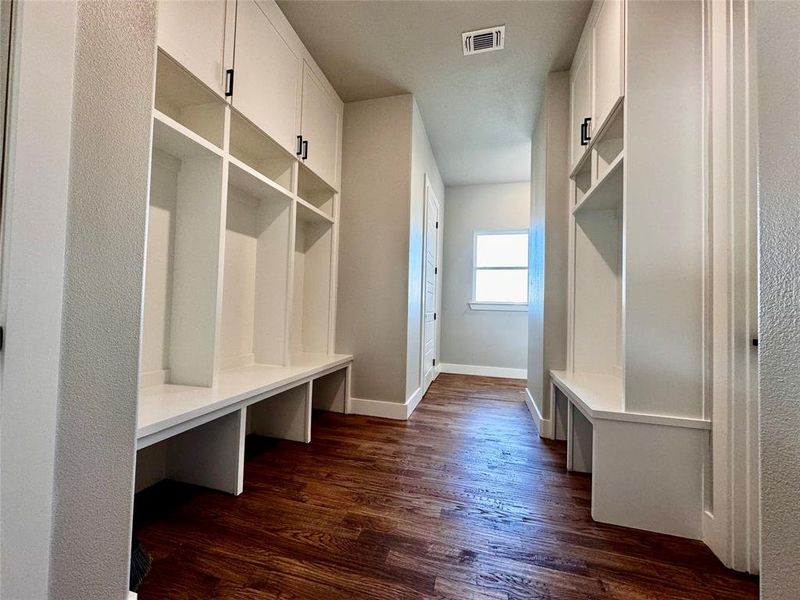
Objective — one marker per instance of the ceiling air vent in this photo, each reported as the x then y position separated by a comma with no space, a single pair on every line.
483,40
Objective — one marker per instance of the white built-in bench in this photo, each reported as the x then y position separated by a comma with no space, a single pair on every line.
646,468
196,434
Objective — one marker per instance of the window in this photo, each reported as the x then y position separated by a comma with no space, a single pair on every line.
500,270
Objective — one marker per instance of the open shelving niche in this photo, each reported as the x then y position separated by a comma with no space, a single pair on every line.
238,293
593,380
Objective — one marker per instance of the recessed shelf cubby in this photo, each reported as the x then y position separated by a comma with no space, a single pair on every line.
184,98
609,146
598,293
256,271
182,258
311,295
314,191
256,149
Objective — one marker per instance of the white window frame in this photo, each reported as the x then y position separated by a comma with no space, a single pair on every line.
497,306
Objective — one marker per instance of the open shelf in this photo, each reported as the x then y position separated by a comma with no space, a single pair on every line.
606,193
256,271
182,258
609,147
597,304
311,292
314,191
256,149
308,213
583,182
187,100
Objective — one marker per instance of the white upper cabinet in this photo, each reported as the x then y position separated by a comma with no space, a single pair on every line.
608,57
320,128
193,33
581,109
267,76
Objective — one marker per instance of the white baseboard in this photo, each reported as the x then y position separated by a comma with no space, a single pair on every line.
132,596
543,426
484,371
385,409
378,408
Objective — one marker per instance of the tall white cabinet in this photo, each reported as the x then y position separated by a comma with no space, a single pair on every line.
242,244
631,399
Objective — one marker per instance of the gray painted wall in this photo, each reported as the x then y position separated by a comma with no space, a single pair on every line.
109,172
480,338
778,54
372,303
547,311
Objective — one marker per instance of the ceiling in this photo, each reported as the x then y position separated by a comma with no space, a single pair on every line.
478,110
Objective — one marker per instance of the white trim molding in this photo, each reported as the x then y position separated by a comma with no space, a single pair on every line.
483,371
386,409
543,426
500,306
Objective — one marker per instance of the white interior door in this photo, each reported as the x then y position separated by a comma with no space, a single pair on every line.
430,285
267,75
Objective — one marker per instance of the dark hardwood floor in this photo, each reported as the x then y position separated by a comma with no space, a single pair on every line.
464,501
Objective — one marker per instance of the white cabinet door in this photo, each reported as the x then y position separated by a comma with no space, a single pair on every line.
320,128
581,95
193,33
608,53
266,76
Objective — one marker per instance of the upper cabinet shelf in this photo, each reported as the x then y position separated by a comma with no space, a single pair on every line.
596,80
184,98
266,82
244,52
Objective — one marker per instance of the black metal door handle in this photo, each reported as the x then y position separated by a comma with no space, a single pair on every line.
305,149
299,150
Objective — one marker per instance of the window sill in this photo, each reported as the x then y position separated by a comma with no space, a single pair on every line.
500,306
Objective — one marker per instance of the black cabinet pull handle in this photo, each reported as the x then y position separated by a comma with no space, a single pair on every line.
305,149
587,121
299,150
583,134
229,83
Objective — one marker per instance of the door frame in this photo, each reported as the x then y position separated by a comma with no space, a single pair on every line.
429,190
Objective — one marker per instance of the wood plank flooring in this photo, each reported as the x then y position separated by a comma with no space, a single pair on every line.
464,501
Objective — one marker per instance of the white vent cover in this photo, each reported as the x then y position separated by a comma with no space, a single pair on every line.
483,40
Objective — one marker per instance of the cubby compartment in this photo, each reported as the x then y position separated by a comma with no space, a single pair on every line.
311,294
182,259
583,181
597,307
609,147
329,392
184,99
286,415
256,271
256,149
315,193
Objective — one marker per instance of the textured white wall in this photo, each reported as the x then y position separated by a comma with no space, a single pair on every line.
469,337
372,303
109,169
422,163
778,54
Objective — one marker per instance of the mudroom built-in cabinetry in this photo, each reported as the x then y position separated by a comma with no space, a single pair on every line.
630,401
242,243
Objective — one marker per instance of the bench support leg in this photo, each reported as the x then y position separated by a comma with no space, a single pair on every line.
211,455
